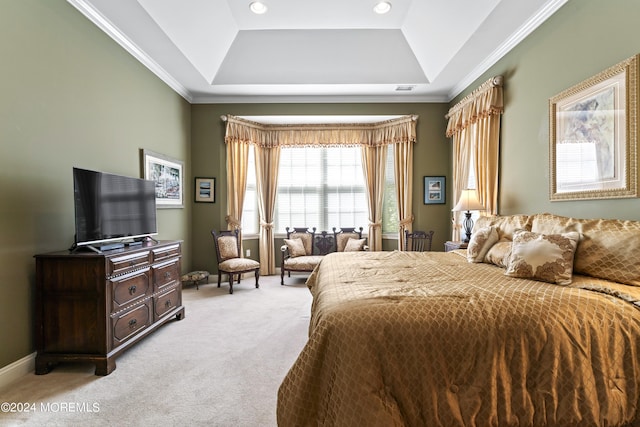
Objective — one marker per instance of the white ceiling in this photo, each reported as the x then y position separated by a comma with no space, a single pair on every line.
332,51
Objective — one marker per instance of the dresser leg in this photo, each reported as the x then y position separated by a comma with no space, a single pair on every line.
106,366
43,366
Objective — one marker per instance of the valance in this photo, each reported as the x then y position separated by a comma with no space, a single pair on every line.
393,131
482,102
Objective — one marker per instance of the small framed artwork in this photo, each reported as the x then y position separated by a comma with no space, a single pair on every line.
434,190
168,175
205,190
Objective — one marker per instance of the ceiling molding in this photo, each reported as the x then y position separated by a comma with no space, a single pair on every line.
543,14
318,99
112,31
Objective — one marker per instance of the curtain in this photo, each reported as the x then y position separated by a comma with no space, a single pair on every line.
373,165
237,158
403,171
267,162
474,126
386,132
372,137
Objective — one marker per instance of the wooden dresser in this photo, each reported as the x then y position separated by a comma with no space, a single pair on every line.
92,306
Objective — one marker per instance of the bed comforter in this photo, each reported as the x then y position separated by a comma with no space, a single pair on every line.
428,339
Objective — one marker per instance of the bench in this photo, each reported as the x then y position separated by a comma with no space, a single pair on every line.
304,248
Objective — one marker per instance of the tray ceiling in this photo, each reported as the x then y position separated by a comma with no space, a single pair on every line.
330,51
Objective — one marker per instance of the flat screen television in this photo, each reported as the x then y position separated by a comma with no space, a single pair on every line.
112,208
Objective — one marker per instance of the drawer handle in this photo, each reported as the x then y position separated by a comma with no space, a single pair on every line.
132,289
167,275
168,303
132,323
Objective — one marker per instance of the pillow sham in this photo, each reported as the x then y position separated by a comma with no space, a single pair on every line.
296,247
499,254
480,243
354,245
544,257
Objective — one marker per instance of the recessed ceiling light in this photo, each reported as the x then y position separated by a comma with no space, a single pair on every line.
258,7
405,88
382,7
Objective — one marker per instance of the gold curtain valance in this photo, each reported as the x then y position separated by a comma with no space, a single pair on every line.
402,129
482,102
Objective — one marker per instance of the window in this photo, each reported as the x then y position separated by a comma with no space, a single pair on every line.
250,216
390,219
320,187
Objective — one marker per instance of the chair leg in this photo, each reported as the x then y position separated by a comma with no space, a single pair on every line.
257,277
219,277
231,279
282,276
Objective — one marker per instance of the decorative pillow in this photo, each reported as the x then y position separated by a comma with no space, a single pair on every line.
228,246
354,245
499,254
545,257
296,247
481,241
608,248
505,225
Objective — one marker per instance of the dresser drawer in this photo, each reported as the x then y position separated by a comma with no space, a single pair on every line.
166,302
121,264
166,274
130,288
166,252
128,323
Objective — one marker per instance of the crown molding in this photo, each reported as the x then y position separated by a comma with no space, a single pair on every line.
114,32
521,33
320,99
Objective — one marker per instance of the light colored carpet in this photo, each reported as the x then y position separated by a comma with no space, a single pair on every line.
219,366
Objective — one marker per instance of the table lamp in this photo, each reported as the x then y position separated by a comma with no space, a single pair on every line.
468,202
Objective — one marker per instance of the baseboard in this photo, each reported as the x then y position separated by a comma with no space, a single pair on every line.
17,369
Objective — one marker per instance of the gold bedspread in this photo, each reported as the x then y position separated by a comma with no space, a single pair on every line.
427,339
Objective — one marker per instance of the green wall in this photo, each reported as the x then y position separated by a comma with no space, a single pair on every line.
431,157
69,96
583,38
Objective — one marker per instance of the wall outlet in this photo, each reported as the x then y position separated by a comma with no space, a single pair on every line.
248,252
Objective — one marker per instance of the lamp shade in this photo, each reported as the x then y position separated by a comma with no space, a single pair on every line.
468,201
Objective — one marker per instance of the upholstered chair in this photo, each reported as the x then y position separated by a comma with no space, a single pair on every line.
230,260
418,241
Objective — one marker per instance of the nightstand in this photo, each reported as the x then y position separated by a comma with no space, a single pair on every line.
450,246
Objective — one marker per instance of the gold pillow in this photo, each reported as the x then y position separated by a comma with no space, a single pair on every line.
228,246
545,257
499,254
296,247
481,241
608,248
506,225
354,245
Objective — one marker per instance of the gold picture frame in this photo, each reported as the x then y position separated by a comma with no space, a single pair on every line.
593,136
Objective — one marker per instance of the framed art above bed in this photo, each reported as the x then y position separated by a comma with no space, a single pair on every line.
593,136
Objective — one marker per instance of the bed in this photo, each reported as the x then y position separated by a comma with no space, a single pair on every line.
431,339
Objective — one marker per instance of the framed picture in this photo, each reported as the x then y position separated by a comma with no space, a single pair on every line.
168,175
205,190
593,136
434,190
